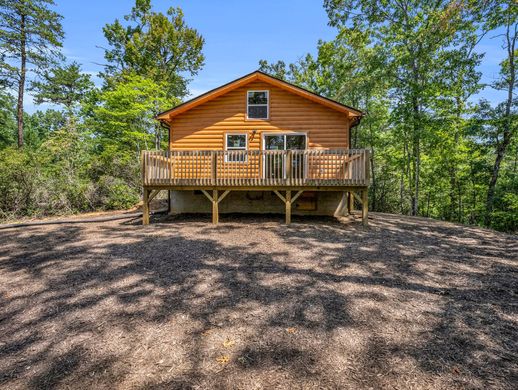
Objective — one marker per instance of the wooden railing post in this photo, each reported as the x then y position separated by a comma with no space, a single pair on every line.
143,167
288,167
214,167
367,167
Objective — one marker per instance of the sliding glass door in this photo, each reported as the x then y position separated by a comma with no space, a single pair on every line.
274,163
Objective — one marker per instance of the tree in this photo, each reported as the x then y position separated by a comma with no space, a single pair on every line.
31,34
41,124
124,114
159,47
63,85
504,14
415,37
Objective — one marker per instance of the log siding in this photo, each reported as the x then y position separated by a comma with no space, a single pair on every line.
204,127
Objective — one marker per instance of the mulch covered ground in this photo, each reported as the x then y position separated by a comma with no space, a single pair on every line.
251,303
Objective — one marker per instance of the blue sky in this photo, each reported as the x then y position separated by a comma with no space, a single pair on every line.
237,35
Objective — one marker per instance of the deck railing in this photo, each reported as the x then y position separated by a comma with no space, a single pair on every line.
341,167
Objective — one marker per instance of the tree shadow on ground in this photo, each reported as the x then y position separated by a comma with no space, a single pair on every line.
321,303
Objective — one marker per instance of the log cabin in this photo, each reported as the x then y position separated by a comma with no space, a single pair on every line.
258,145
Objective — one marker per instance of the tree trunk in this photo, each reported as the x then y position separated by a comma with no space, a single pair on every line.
502,147
452,162
416,151
416,139
21,81
374,183
417,169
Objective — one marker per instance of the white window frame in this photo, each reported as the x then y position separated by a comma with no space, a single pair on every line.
234,148
259,105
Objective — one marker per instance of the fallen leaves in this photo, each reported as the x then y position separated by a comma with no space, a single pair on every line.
228,343
224,359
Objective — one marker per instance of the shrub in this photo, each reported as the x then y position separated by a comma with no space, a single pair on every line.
18,180
114,193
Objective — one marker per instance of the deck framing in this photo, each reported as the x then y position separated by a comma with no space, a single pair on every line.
215,194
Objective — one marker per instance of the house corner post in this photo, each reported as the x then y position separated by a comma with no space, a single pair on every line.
215,211
365,206
288,207
145,207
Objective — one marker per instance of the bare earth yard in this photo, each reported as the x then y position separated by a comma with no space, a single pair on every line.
251,303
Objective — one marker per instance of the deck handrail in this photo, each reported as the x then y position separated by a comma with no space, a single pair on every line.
232,168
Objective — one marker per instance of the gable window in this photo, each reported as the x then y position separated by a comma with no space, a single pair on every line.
257,104
235,142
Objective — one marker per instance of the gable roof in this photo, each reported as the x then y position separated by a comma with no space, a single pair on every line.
254,76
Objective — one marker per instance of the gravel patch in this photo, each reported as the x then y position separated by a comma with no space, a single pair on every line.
408,303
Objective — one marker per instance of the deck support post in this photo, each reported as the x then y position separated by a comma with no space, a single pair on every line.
215,211
215,199
365,206
145,207
288,207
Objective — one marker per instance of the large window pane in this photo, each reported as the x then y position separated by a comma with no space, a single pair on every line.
236,141
274,142
296,142
258,97
258,112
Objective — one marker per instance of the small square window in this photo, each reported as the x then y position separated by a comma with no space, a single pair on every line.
236,144
257,104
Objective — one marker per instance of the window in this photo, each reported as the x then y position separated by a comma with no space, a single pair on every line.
235,141
257,104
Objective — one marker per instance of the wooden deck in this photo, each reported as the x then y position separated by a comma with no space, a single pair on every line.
217,172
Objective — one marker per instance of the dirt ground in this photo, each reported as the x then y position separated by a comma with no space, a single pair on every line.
252,304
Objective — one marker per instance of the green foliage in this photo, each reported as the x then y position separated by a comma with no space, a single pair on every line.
18,182
159,47
123,114
41,124
7,120
62,85
62,176
116,194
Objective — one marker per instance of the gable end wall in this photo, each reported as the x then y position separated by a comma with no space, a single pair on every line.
203,127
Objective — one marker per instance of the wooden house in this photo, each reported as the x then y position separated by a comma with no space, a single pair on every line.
260,145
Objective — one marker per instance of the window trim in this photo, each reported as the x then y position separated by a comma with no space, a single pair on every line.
258,105
234,148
